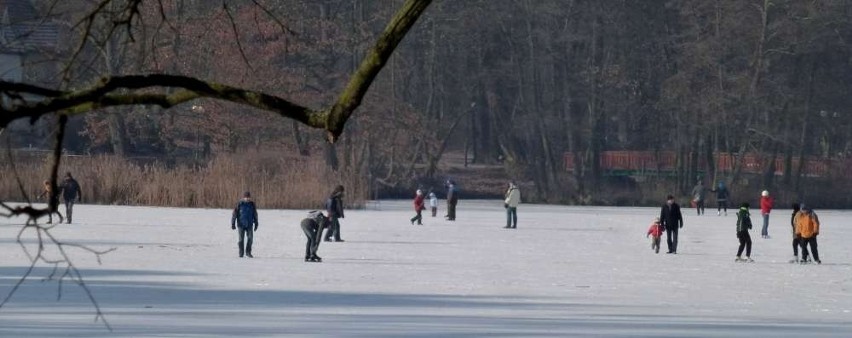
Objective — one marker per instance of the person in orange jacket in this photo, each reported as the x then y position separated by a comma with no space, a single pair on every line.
807,229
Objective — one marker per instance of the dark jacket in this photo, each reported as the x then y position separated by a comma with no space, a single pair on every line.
670,216
721,193
452,192
334,205
245,214
743,220
70,189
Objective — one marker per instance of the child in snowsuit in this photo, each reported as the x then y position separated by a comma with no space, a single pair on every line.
743,226
418,207
52,203
433,203
655,231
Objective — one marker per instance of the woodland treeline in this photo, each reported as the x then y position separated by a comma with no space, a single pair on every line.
505,82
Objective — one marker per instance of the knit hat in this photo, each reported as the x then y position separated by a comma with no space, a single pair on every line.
764,193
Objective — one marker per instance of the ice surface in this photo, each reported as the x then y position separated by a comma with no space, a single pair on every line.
566,271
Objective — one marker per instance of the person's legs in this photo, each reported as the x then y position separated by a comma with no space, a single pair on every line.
240,244
748,244
669,243
656,244
249,240
814,252
701,205
741,238
434,211
765,231
335,225
804,244
419,217
674,240
69,207
514,212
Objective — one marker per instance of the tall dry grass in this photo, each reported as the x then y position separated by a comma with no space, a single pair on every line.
275,182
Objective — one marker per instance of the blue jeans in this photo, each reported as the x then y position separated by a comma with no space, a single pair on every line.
512,217
246,236
765,231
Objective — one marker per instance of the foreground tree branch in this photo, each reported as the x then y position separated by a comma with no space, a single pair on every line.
150,89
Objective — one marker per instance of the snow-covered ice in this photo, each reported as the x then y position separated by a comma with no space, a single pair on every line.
566,271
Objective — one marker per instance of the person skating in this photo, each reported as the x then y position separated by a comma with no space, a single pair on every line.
244,220
433,202
807,228
513,199
334,209
766,204
796,239
655,231
71,193
312,226
452,200
52,202
722,195
418,207
699,192
743,226
672,220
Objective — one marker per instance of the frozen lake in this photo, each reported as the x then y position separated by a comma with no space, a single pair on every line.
566,271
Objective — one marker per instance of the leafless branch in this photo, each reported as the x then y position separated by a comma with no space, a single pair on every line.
237,36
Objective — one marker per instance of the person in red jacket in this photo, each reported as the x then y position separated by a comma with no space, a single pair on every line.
418,208
655,231
765,207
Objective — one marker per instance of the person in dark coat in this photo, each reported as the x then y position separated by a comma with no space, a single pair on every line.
743,226
71,193
245,217
452,200
312,226
334,208
796,239
672,220
722,195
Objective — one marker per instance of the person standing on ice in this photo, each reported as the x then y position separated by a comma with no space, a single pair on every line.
722,195
418,207
655,231
244,217
766,203
452,200
698,194
433,202
796,239
672,220
334,208
807,228
743,226
513,199
312,227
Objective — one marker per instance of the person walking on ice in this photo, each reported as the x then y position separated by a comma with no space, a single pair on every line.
418,207
334,208
513,199
672,220
743,226
766,203
698,194
655,231
312,227
71,193
244,220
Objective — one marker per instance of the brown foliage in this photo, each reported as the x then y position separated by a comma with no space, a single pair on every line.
275,181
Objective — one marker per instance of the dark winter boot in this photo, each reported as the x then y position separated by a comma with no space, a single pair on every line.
316,258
